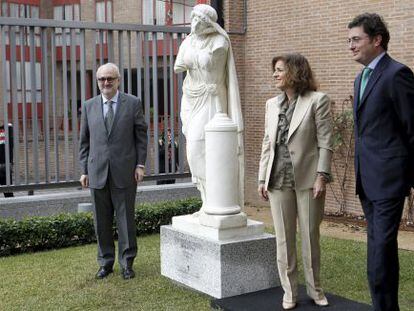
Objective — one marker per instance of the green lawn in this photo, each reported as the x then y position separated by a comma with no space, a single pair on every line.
64,280
344,272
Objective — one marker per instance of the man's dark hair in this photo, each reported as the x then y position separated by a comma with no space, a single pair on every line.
373,25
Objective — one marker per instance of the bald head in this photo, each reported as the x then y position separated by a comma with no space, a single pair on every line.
108,77
109,66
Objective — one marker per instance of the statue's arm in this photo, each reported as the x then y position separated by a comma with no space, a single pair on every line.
179,65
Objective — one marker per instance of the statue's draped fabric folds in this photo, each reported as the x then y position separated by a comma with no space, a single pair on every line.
210,86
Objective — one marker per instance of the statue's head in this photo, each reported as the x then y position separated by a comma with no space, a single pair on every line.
202,18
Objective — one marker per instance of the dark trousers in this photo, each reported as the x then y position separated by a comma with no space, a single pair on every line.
3,180
383,219
108,201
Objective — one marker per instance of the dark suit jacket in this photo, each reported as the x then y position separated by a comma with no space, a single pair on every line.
120,151
384,131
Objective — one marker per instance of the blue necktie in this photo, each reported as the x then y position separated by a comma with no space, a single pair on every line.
366,73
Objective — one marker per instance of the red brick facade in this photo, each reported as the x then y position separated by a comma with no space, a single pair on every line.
318,30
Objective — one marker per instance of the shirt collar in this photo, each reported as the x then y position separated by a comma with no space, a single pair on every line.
113,99
285,98
375,61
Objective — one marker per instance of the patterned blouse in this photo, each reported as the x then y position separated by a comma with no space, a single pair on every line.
282,171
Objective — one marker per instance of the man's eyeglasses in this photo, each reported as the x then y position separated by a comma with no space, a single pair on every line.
109,79
355,40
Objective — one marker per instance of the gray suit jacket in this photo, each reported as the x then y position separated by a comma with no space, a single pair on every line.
121,151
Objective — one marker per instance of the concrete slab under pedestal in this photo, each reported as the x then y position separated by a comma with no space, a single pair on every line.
222,267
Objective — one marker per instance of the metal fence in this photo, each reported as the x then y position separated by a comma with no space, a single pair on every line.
48,70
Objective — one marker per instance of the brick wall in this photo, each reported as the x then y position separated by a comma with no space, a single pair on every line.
318,30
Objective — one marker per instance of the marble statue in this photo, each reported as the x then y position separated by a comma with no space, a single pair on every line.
210,86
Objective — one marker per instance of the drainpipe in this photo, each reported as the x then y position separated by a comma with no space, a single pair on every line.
218,6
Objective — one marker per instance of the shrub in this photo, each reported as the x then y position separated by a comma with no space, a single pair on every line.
41,233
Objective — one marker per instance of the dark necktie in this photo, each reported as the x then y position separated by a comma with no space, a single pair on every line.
109,118
364,80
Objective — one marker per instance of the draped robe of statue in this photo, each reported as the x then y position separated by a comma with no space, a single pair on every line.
210,86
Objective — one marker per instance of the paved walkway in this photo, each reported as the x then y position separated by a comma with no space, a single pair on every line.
334,229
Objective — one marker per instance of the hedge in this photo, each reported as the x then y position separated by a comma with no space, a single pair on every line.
41,233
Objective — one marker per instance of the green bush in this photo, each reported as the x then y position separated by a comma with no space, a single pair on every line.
41,233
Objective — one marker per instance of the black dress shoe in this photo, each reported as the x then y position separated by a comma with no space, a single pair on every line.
128,273
103,272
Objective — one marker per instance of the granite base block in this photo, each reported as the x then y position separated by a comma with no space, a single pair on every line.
216,267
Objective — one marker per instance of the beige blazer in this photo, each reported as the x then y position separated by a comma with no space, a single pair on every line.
310,140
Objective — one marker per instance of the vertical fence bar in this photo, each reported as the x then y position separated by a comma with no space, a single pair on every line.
23,40
65,104
165,92
180,94
15,112
101,47
82,67
54,107
129,72
147,95
82,71
172,106
74,101
111,57
35,137
155,100
139,65
94,87
45,101
121,58
5,102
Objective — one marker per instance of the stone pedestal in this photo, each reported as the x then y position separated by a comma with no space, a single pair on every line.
218,262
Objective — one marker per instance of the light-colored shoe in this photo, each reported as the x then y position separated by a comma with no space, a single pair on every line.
321,302
288,305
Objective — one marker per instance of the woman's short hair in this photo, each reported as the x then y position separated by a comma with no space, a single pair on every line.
299,75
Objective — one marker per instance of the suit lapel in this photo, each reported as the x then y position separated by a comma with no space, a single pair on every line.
376,74
357,88
302,105
98,111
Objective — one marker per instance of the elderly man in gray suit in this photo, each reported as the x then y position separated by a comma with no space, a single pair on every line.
112,154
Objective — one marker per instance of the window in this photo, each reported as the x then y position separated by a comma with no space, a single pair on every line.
104,11
162,12
103,15
182,12
66,12
19,10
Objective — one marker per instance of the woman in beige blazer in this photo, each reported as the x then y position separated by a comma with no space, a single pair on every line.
294,169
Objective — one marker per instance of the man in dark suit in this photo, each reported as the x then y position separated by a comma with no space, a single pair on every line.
112,154
384,150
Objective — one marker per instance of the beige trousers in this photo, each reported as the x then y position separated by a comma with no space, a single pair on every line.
287,206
